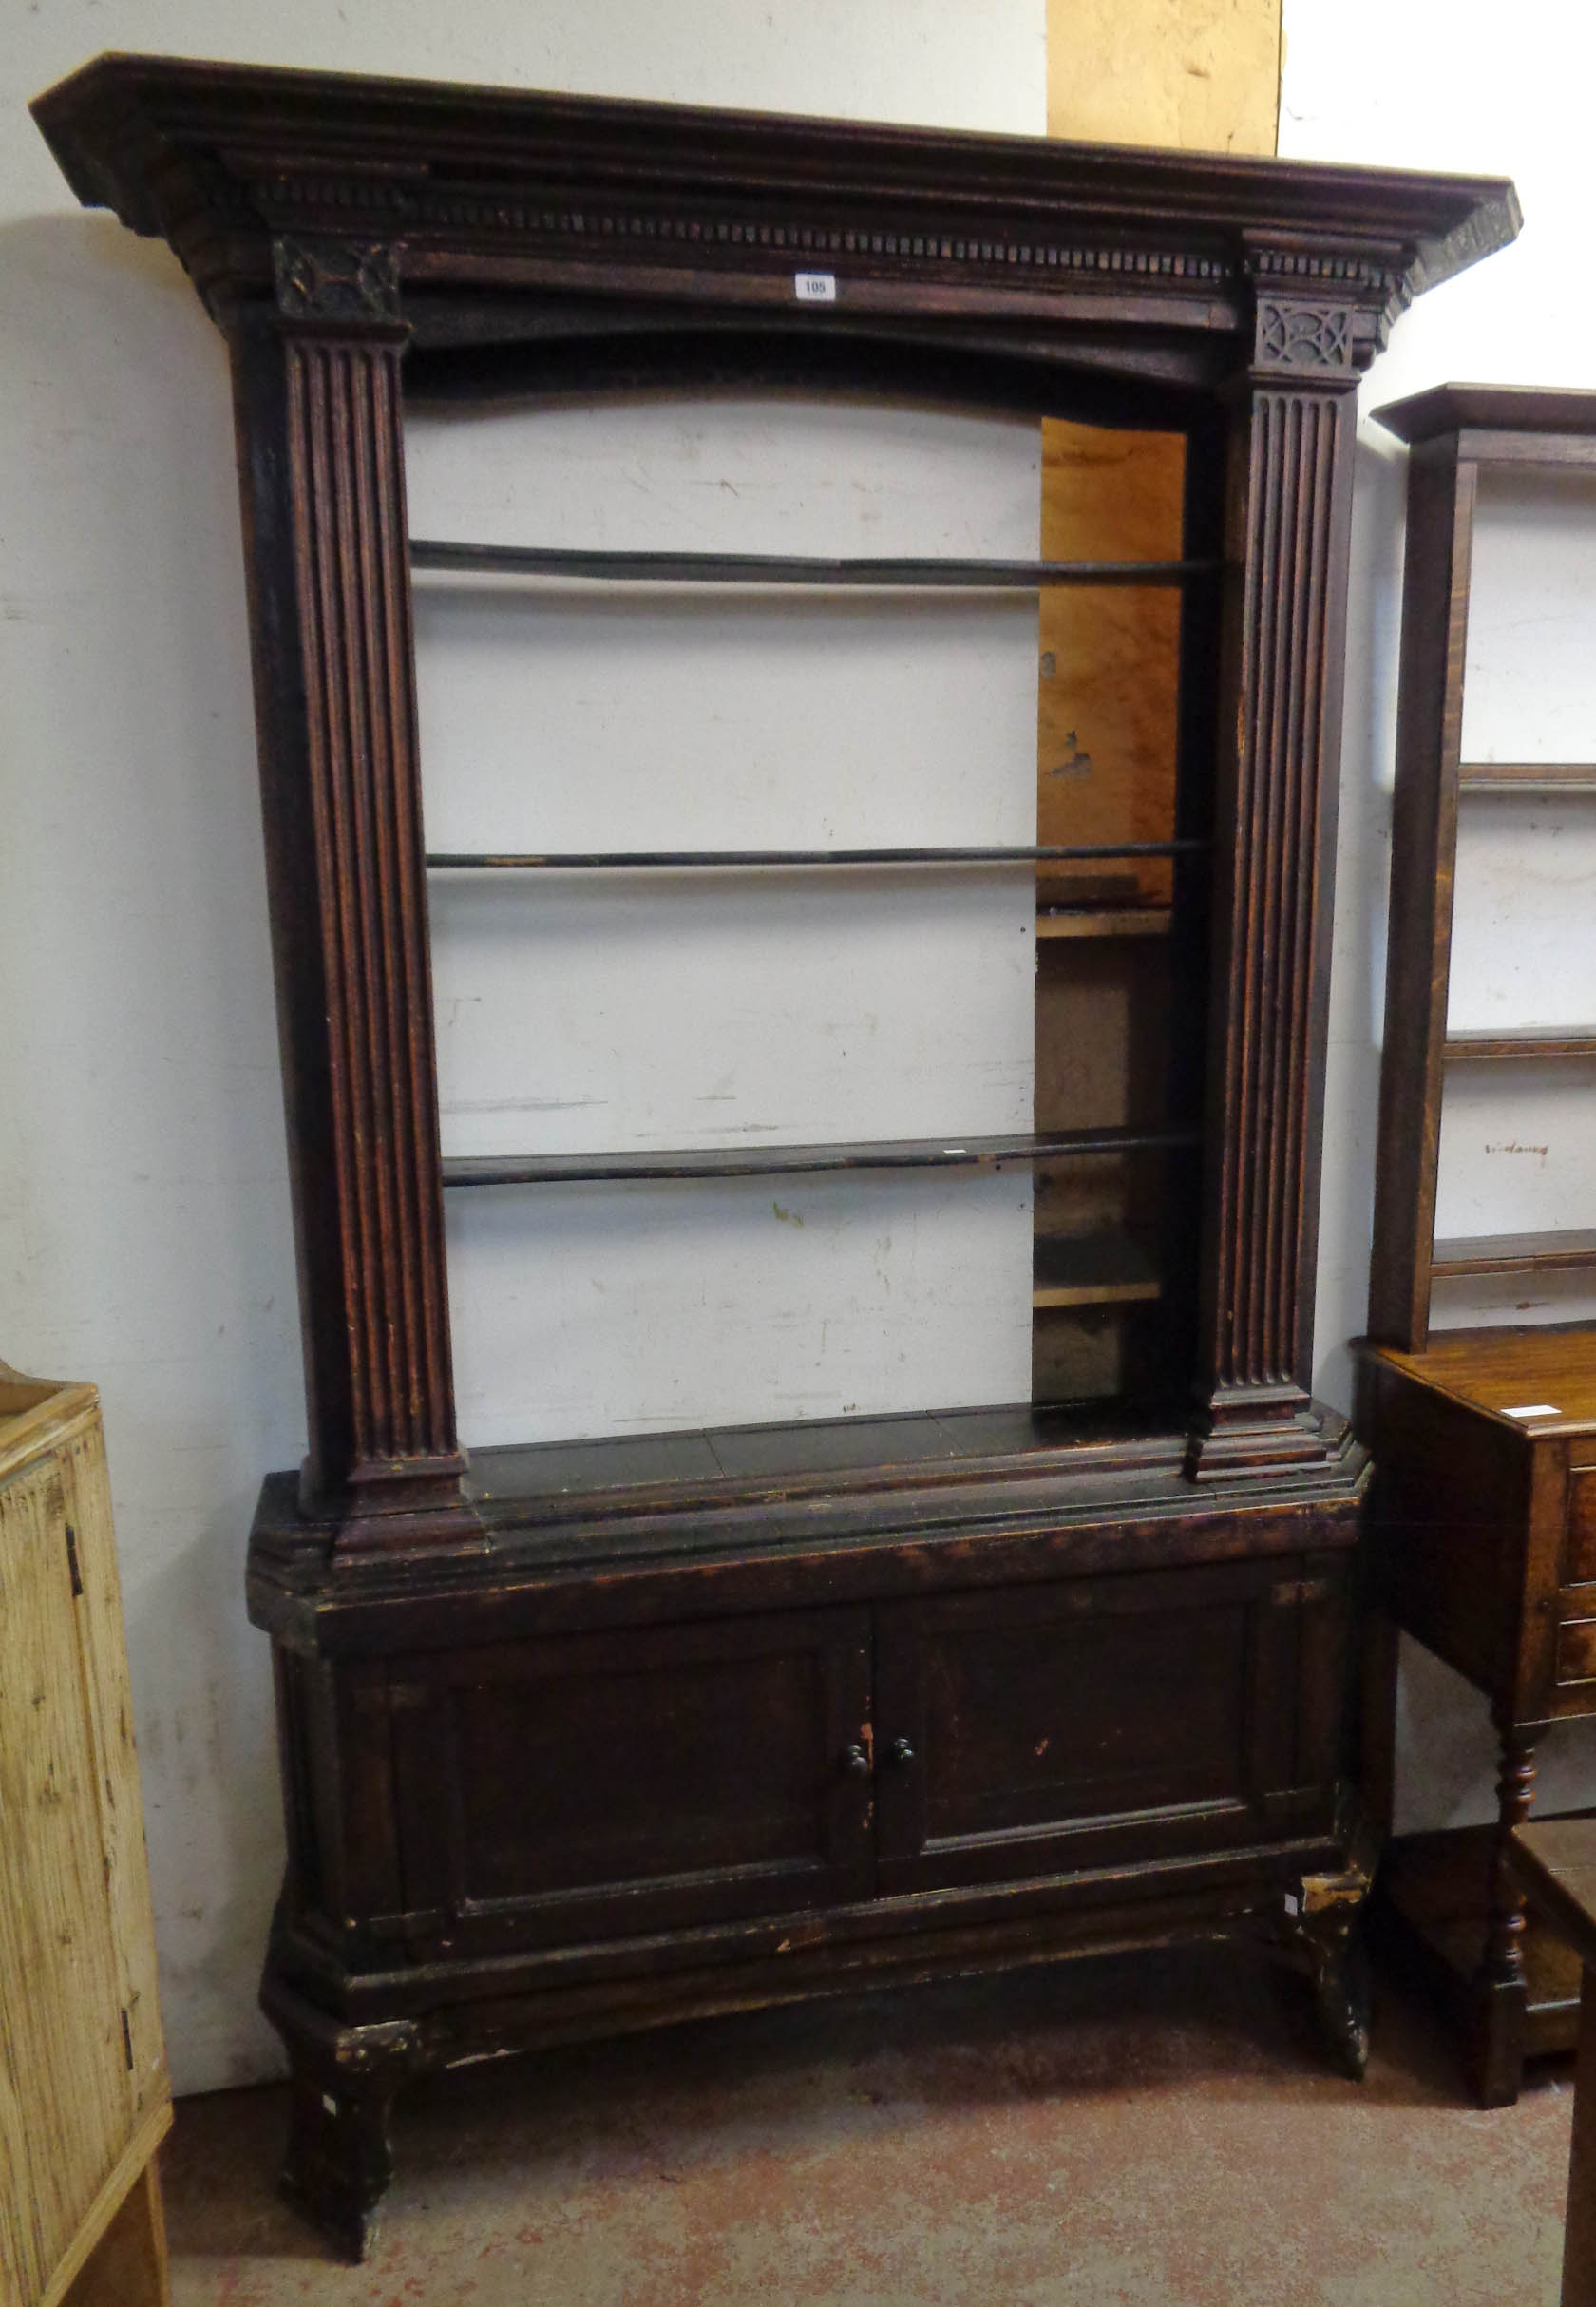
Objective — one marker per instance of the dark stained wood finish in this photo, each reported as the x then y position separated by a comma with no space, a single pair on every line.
744,569
1271,965
1482,1549
1507,409
636,1729
1006,1748
705,1772
510,190
1548,1252
1430,1922
1531,1041
321,470
1480,1517
631,860
950,1152
1441,495
1455,431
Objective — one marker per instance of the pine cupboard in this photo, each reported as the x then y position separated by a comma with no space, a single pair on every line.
602,1732
85,2095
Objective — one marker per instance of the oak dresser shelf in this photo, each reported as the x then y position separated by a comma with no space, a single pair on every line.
597,1734
1486,1437
1504,780
1478,1047
1549,1253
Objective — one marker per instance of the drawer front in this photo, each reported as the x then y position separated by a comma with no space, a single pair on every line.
1576,1650
1042,1729
1574,1670
554,1792
1580,1552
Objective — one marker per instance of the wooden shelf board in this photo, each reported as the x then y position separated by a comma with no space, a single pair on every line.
797,569
1438,1886
780,1161
1514,1253
1527,777
625,860
1124,921
1107,1268
612,1473
1527,1041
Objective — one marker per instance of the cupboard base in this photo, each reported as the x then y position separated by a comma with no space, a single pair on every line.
347,2072
614,1765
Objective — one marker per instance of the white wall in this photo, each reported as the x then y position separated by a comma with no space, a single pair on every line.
1469,87
690,1009
144,1233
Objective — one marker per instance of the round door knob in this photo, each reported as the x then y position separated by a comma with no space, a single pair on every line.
856,1761
903,1753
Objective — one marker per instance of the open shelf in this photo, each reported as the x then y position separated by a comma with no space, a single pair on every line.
1514,1253
614,1475
1527,1041
1527,777
561,861
792,568
1092,1270
1114,920
1432,1919
781,1161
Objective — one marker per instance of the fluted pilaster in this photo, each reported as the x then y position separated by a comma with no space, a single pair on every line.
321,461
1291,507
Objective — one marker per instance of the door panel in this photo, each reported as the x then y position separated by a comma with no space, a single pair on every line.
573,1790
1040,1729
66,2088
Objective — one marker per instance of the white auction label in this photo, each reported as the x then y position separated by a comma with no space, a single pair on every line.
815,288
1534,1410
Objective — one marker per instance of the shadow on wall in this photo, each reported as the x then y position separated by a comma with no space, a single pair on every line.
146,1238
212,1812
1362,876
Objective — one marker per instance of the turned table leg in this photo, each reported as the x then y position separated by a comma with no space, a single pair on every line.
1497,2062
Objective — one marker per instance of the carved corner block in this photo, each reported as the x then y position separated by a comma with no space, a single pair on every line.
1297,337
319,279
1319,314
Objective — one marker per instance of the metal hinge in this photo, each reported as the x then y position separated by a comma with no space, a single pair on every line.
72,1559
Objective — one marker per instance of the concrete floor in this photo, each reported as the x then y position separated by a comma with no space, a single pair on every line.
1152,2132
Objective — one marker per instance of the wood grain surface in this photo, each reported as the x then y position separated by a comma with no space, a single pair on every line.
85,2095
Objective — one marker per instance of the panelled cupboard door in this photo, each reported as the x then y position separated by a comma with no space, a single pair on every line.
66,2087
1041,1730
610,1784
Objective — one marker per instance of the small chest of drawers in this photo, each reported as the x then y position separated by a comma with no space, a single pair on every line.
1483,1539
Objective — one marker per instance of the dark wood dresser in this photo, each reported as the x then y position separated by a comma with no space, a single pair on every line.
598,1734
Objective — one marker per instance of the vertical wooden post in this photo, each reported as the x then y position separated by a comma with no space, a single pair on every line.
321,467
1290,517
1441,492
